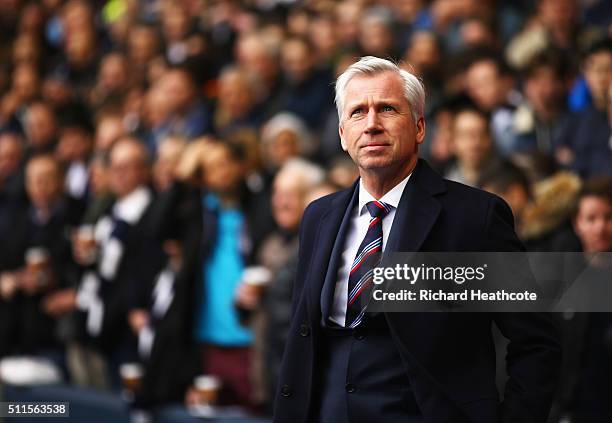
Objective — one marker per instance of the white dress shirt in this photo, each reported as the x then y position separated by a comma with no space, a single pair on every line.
360,221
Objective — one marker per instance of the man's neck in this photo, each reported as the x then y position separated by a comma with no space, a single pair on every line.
378,183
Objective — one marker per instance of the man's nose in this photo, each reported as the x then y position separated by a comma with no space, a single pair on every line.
373,124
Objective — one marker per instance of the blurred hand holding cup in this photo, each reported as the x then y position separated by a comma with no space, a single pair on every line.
36,272
131,377
85,246
254,281
207,388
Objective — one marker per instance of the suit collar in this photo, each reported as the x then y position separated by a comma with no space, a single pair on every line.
329,244
416,214
418,210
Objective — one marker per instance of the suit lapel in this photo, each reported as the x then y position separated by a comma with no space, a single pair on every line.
417,211
331,275
329,246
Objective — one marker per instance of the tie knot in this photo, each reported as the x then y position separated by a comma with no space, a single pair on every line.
378,208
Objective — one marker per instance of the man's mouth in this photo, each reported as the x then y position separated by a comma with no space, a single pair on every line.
375,145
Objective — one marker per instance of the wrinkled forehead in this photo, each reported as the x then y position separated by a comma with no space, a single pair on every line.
383,86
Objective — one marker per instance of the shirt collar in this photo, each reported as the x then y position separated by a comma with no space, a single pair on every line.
392,197
131,207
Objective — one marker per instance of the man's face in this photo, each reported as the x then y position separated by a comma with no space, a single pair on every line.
40,126
296,60
483,84
472,140
10,154
544,90
377,128
287,201
74,145
127,169
593,224
178,90
222,172
235,95
43,182
598,74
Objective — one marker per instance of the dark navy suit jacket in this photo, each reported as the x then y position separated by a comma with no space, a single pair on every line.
449,358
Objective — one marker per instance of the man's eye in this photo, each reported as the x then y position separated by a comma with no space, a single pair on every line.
356,111
387,108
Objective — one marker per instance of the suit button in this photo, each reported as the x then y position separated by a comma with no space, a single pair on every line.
358,335
286,391
304,330
350,388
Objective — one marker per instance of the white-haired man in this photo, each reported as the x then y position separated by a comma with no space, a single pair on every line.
343,365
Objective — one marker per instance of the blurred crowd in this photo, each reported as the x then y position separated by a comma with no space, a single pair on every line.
156,157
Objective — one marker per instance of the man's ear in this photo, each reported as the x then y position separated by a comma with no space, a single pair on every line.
342,142
420,130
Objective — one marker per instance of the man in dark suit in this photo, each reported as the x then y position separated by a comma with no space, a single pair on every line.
344,365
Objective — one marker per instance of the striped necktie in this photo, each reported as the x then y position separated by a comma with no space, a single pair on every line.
368,256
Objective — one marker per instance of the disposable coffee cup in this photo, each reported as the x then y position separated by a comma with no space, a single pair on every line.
37,263
86,237
208,387
36,258
131,376
257,277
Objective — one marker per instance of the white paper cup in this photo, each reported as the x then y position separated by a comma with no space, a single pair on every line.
208,387
131,375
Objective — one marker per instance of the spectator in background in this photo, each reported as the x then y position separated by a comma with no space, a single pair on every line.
348,15
540,119
306,90
37,263
168,155
81,59
187,115
182,43
554,24
75,144
11,171
142,47
283,137
424,55
226,236
109,128
376,33
438,144
477,31
27,50
322,33
99,196
40,127
118,277
236,111
586,378
511,184
584,146
278,253
342,172
112,82
596,68
23,89
261,56
473,146
25,85
411,16
489,85
593,218
546,220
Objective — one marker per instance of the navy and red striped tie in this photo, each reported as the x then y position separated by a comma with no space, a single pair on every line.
368,256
